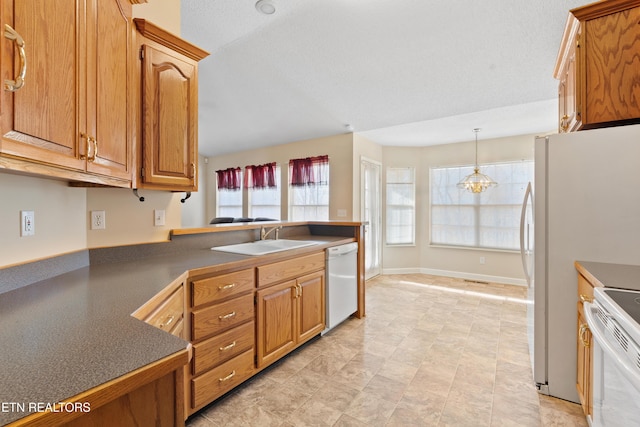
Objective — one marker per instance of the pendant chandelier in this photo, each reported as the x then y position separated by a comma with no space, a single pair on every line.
476,182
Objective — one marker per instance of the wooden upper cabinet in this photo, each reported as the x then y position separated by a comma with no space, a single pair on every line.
73,110
169,79
598,66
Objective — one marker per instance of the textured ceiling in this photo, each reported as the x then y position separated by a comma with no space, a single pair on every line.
401,72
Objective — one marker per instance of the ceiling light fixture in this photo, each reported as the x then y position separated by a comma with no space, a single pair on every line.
266,7
476,182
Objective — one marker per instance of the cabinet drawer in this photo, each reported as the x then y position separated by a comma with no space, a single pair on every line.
169,313
223,316
289,269
585,289
213,351
218,381
219,287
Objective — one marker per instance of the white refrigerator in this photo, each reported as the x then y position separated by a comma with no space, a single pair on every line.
586,206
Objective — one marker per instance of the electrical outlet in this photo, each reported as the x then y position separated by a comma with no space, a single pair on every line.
482,260
98,220
27,223
158,217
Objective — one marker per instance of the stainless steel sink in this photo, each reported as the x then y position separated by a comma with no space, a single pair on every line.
263,247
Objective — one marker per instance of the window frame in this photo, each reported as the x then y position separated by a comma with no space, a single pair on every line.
411,207
477,205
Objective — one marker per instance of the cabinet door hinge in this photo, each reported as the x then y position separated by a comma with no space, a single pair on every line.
141,172
141,53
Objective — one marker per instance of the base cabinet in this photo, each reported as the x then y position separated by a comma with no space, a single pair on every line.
291,312
584,377
222,334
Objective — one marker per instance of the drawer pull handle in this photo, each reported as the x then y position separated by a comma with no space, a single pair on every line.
227,316
585,298
225,287
228,347
228,377
168,321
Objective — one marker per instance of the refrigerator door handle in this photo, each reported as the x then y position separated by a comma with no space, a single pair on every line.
524,236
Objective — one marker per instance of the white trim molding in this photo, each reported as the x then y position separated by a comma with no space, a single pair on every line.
458,275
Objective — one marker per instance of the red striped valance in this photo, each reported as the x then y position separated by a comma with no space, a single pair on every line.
229,179
260,176
308,171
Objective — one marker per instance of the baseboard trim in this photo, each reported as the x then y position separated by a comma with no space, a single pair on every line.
457,275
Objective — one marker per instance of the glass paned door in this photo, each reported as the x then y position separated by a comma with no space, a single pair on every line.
371,212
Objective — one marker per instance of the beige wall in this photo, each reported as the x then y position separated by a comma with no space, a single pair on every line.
338,147
62,213
498,264
60,221
163,13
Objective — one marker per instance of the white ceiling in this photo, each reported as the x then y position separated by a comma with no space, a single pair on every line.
401,72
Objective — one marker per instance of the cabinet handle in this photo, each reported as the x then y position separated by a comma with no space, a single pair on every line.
583,330
227,316
228,347
95,150
228,377
168,321
14,85
90,142
225,287
585,298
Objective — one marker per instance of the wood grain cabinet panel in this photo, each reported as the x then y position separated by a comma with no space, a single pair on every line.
168,316
289,269
311,315
276,322
168,155
598,66
291,312
74,110
213,351
584,374
218,381
223,286
219,317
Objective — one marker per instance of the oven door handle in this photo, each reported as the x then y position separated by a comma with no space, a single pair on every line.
598,335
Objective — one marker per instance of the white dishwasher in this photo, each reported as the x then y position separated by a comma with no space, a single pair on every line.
342,284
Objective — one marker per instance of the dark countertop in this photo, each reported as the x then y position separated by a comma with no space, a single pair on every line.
67,334
620,276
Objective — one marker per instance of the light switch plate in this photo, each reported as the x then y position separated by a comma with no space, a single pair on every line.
158,217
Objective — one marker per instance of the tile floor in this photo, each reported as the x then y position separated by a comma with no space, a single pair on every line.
432,351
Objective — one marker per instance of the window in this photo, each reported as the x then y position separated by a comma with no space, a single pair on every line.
309,189
489,220
265,201
229,193
401,213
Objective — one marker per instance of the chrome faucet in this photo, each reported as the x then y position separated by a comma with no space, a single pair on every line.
264,232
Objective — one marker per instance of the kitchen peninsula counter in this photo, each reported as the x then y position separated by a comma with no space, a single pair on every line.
73,332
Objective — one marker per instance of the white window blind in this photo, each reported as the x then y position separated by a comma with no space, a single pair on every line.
265,202
489,220
229,202
311,202
401,206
